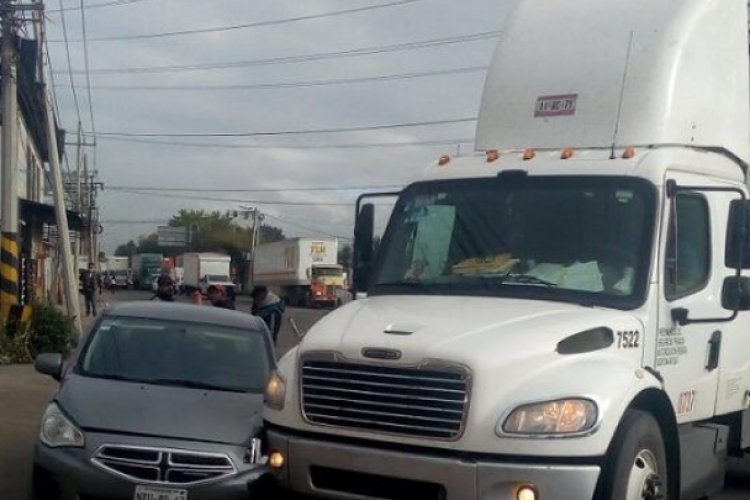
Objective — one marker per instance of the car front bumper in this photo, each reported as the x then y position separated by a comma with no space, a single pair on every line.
72,472
346,471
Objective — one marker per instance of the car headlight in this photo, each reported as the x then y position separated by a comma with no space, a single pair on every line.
552,418
58,431
275,392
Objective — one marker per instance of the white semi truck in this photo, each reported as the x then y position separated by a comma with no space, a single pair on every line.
565,315
302,271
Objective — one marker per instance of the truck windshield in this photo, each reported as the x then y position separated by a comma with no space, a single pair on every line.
328,271
576,239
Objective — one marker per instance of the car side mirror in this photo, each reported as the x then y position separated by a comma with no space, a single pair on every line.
364,236
737,254
735,294
49,364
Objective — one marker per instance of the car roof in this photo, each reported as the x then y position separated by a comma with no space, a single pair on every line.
172,311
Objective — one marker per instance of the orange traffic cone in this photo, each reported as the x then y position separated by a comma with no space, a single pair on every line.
197,298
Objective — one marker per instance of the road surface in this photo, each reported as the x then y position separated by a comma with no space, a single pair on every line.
23,395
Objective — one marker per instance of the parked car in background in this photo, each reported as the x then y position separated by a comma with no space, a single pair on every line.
123,279
162,401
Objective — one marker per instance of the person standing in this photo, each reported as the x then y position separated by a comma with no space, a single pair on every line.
89,287
268,307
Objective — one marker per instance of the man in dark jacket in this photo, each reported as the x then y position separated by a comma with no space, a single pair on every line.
268,307
220,297
89,284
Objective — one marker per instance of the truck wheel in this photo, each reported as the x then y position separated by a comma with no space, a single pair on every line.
636,465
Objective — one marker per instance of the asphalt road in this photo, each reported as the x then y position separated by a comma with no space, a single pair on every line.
23,395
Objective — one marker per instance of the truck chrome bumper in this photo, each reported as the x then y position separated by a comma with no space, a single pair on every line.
346,471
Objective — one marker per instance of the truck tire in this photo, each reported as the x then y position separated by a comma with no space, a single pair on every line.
636,465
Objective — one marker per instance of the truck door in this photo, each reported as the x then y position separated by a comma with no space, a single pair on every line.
692,273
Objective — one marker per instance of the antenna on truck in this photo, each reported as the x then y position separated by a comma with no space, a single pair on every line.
622,94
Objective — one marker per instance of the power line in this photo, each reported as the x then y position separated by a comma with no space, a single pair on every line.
274,217
316,231
257,24
436,42
297,84
88,72
70,65
276,133
113,3
436,142
251,190
235,200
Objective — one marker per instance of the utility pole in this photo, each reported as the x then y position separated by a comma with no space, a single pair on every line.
63,234
78,200
9,254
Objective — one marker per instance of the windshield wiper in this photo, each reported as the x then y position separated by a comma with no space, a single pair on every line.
192,384
526,279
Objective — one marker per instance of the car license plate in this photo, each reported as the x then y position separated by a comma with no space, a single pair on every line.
149,493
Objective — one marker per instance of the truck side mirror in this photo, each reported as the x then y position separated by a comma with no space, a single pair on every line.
309,273
364,235
735,294
737,254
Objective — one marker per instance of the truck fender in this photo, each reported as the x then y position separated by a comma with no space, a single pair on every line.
656,402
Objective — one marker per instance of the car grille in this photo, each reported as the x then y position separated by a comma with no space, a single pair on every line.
422,402
155,465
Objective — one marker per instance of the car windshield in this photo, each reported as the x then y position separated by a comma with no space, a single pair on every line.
176,353
578,239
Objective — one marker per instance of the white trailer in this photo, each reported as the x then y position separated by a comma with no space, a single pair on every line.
115,264
566,314
303,271
205,270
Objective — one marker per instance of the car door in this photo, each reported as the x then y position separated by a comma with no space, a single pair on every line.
691,279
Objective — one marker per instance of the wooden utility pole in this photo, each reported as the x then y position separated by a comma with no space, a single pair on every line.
70,279
9,253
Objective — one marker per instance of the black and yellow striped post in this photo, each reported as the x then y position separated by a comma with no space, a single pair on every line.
9,274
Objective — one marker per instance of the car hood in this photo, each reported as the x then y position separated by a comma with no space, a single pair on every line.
163,411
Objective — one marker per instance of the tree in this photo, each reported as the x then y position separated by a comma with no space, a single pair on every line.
127,250
345,255
209,232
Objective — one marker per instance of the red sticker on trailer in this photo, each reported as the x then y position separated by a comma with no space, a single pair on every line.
556,105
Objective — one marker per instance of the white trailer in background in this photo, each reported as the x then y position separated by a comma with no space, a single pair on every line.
566,314
115,264
205,270
302,271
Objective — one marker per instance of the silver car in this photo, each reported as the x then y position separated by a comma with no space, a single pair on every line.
162,401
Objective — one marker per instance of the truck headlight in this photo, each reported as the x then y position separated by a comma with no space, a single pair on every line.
561,417
58,431
275,392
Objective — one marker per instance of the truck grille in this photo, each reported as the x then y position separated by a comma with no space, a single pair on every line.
422,402
154,465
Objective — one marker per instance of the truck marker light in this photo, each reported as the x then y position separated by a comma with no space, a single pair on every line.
529,154
628,153
527,492
276,460
444,160
567,154
493,155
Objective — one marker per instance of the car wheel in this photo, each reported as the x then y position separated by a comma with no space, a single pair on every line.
636,465
43,486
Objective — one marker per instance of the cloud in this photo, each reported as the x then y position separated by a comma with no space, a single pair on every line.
123,163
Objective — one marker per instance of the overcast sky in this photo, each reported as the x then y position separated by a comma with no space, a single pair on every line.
119,163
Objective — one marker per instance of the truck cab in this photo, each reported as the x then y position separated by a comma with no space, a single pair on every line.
565,314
